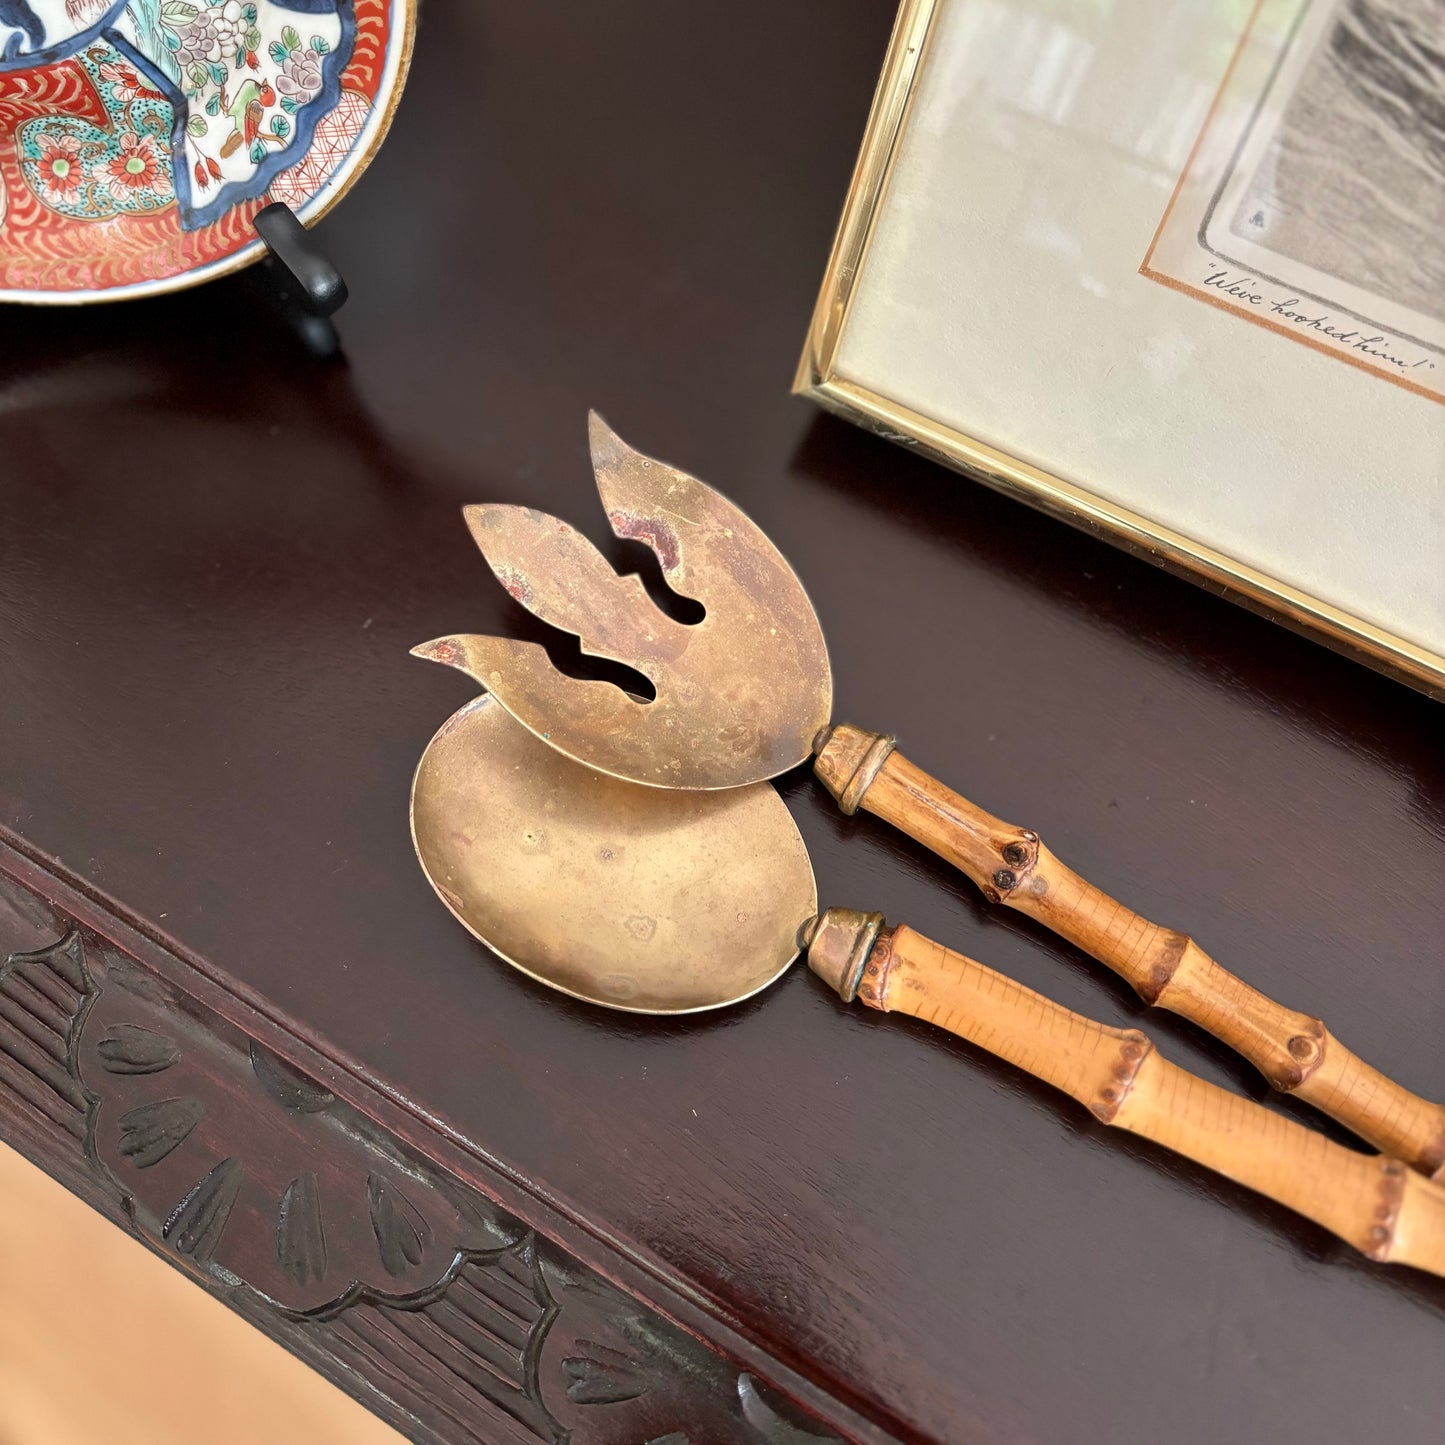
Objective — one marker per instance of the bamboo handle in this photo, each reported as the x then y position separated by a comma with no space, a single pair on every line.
1295,1052
1370,1201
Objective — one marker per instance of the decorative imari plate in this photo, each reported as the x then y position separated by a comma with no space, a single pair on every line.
139,138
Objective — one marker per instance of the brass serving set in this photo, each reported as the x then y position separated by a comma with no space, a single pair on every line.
633,854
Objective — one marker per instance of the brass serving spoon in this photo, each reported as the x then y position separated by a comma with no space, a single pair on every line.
746,694
661,902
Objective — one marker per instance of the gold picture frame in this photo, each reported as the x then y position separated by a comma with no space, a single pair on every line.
818,378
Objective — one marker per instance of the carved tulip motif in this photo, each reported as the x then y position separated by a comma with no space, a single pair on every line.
265,1182
215,1141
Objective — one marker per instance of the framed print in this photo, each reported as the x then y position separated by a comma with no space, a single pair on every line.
1173,270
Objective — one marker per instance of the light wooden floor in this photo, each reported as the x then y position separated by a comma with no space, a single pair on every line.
101,1343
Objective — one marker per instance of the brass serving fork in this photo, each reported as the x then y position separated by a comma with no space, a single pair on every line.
746,694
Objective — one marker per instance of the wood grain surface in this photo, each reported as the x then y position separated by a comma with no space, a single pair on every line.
215,554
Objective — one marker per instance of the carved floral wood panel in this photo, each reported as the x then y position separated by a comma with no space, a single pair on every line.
408,1287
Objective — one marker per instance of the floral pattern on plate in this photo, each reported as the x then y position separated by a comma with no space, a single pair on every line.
171,123
254,88
93,171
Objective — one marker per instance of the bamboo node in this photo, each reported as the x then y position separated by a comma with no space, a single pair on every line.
1021,855
1387,1211
1170,949
873,985
1300,1056
1431,1159
1133,1049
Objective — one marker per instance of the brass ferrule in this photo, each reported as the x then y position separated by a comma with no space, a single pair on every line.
838,944
848,759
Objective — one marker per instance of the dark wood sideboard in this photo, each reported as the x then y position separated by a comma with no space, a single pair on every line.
235,1019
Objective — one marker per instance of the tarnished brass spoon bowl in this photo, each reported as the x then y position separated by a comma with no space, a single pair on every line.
664,902
638,899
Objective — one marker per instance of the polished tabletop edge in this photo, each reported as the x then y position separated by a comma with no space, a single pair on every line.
104,1019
